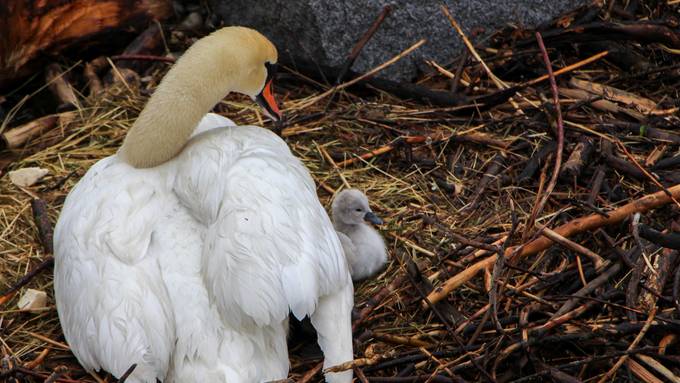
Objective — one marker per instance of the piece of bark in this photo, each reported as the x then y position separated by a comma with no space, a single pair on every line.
16,137
578,157
600,104
645,105
32,30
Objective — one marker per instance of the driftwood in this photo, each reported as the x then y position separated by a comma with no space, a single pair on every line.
30,29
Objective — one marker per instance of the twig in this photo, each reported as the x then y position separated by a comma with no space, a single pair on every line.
139,57
560,134
23,281
127,373
498,269
361,43
58,372
667,240
307,377
499,83
598,262
368,74
590,287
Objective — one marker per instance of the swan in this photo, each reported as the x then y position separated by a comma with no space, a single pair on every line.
185,252
364,247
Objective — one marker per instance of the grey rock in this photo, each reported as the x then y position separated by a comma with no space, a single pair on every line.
326,30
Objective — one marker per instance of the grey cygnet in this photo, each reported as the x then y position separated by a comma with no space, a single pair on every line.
364,247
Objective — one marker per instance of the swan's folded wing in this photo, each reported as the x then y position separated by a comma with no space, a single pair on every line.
110,296
270,247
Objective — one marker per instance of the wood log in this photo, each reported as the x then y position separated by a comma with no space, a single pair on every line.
31,30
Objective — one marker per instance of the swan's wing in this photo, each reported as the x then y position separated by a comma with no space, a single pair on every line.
270,247
111,300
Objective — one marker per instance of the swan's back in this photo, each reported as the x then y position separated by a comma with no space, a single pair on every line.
190,268
270,247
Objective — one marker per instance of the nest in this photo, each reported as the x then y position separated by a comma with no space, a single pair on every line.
457,186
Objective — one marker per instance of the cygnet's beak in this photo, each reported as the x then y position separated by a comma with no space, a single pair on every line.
372,218
267,102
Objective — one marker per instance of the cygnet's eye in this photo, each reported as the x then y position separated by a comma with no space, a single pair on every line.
358,209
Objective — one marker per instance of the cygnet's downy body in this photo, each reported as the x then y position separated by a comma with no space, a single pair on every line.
364,247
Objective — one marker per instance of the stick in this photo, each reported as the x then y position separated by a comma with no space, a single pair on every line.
311,373
127,373
589,288
646,105
139,57
598,262
579,225
667,240
361,43
368,74
560,135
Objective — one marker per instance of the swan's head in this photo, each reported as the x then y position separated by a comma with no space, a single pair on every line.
232,59
350,207
248,59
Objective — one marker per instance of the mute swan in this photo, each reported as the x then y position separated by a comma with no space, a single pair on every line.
363,245
184,254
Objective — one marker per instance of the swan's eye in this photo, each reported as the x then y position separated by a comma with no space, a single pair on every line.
358,209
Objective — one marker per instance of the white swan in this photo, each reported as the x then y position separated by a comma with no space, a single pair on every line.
185,254
364,247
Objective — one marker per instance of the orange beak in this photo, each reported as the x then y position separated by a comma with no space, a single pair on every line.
267,102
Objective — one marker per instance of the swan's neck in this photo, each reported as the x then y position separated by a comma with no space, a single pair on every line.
188,91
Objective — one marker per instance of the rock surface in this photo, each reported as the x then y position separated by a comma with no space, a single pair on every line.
326,30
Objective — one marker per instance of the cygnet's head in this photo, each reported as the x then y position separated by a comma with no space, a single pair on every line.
350,207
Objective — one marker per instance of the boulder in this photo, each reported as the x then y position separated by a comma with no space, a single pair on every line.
325,31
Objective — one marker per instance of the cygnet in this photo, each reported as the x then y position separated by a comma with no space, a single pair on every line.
364,247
